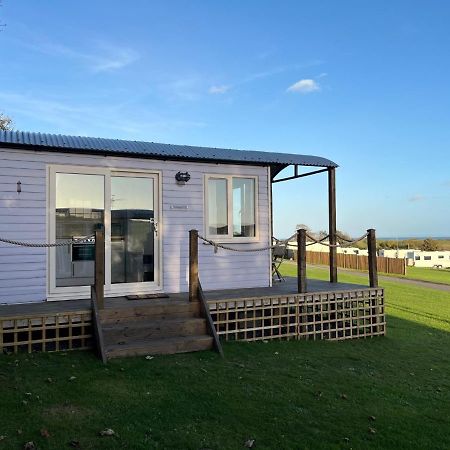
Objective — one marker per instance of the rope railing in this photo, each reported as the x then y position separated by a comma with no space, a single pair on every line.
285,243
216,246
348,242
301,243
83,240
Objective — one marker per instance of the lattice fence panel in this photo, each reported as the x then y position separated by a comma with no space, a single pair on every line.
62,331
327,315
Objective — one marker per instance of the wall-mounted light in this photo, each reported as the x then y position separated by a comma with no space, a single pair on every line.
19,187
182,177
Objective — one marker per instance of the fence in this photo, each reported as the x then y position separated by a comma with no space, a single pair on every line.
46,332
396,266
322,315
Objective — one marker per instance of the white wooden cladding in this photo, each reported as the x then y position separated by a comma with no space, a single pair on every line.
24,216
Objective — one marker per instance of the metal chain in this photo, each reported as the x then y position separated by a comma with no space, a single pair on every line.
44,245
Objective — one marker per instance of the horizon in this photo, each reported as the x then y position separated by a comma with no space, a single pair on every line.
363,85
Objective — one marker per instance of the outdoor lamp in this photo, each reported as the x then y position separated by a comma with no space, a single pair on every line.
182,177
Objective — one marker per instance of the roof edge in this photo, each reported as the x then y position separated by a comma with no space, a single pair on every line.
142,149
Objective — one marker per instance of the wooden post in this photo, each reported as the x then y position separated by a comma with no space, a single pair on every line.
332,223
99,280
372,247
301,261
193,266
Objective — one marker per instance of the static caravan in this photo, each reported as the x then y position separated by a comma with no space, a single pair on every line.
55,191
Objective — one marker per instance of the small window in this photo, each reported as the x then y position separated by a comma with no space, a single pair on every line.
417,258
427,258
441,256
217,207
244,224
230,206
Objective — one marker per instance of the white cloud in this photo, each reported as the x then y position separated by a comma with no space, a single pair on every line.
220,89
99,117
304,86
105,57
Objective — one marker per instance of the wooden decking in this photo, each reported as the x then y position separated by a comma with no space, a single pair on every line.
76,305
326,311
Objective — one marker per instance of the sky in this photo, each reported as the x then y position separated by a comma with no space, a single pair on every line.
365,84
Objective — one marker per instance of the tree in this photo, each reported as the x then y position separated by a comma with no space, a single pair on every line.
429,245
6,123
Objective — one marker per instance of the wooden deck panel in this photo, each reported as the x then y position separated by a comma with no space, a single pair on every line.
327,311
279,288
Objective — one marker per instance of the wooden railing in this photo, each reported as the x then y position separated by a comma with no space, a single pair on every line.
196,292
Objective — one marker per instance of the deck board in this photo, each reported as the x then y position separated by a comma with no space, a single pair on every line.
279,288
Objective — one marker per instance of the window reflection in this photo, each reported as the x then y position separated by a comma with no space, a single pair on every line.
79,209
244,207
217,206
132,229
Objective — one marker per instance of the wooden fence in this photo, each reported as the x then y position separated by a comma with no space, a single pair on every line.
357,313
396,266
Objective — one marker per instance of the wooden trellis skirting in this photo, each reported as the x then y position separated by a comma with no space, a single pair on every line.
46,332
322,315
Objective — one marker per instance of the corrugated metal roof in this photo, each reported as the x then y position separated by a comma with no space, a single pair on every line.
58,142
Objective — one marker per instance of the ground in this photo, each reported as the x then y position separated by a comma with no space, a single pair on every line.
428,274
388,392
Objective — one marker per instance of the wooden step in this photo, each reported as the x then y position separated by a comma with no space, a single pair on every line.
127,332
166,346
149,310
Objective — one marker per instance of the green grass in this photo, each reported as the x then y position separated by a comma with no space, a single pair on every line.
441,276
428,274
286,395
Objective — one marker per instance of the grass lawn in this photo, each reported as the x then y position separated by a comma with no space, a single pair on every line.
381,393
441,276
428,274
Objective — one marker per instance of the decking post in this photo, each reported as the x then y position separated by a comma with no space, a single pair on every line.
372,248
193,266
301,261
332,223
99,278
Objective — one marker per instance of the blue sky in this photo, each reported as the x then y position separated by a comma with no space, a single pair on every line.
363,83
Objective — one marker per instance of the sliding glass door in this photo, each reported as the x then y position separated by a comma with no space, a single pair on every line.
126,203
133,229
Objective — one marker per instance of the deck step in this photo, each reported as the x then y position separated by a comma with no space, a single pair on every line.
127,332
148,310
178,344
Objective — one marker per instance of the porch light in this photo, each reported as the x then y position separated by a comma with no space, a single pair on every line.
182,177
19,187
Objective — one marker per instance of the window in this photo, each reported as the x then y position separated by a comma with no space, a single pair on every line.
441,256
230,207
427,258
244,207
417,258
217,206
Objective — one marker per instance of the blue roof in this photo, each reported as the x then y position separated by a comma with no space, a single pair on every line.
79,144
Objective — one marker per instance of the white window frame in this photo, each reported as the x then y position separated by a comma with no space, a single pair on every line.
229,238
111,290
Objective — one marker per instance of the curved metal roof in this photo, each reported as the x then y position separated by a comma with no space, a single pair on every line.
79,144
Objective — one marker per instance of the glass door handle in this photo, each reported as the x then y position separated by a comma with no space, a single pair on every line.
155,226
